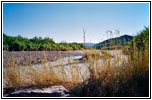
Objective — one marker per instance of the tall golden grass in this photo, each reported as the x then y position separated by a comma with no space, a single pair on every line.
106,77
16,76
131,78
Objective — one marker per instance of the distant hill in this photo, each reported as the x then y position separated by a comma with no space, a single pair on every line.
118,41
90,44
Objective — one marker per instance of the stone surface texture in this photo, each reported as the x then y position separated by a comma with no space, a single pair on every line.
53,91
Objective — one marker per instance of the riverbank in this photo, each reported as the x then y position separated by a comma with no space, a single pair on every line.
35,57
110,70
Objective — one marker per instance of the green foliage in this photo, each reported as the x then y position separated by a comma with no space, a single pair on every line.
37,43
140,41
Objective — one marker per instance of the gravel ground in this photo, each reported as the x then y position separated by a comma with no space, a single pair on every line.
34,57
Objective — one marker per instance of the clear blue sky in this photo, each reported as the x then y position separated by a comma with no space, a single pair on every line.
65,21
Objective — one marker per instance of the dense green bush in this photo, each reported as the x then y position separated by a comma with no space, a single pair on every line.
140,41
37,43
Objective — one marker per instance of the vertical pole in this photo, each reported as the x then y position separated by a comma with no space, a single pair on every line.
83,36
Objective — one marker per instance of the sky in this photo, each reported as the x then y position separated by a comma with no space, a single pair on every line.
65,21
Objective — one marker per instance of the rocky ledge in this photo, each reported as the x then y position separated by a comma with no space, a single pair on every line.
54,91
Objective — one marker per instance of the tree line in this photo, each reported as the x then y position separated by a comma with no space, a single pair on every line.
19,43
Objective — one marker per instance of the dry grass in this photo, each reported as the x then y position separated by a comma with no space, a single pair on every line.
91,55
106,78
16,76
106,55
112,76
128,79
